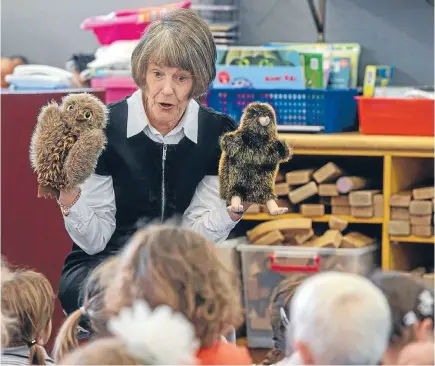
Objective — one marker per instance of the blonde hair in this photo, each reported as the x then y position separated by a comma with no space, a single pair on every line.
93,308
104,351
28,297
179,39
179,268
6,321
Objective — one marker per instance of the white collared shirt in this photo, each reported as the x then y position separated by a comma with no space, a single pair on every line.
92,222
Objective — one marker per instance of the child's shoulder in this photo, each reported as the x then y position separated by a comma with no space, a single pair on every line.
225,354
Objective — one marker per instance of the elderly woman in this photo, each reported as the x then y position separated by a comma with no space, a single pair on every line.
162,154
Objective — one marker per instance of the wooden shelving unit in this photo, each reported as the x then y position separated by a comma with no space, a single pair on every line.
404,161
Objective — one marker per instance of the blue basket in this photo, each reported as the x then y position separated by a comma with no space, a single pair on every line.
309,110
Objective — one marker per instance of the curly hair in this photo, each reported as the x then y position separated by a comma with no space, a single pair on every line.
170,265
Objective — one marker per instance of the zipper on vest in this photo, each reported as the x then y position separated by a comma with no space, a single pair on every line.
165,147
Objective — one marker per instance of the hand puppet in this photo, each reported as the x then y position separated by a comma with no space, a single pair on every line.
250,160
67,141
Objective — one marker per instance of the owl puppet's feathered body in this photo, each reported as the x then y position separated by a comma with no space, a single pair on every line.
67,141
250,160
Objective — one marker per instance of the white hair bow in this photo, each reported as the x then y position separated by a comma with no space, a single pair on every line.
160,337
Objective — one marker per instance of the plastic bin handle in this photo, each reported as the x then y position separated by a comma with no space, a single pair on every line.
287,268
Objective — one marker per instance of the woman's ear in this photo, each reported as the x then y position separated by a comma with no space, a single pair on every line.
424,330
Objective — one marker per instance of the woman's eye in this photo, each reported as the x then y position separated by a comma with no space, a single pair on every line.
157,74
70,107
182,78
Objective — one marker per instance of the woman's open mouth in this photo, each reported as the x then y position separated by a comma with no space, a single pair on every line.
166,106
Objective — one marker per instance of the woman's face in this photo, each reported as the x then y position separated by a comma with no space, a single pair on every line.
167,94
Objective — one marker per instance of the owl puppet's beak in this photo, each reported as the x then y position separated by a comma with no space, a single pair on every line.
264,120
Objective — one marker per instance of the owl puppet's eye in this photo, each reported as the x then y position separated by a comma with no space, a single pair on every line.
70,107
87,115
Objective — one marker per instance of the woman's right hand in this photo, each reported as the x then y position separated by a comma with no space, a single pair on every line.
68,196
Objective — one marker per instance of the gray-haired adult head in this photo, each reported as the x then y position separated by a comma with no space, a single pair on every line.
179,39
340,319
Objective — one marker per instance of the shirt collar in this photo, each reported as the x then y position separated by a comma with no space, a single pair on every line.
137,119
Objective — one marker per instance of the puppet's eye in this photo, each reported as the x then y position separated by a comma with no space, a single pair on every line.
70,107
88,115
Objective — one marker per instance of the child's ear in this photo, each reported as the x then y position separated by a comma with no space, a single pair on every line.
304,353
424,330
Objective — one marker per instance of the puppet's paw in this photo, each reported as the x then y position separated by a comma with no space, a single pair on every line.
278,211
235,208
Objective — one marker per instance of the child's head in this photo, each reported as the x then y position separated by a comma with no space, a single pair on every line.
177,267
279,315
93,308
5,320
412,308
138,339
28,298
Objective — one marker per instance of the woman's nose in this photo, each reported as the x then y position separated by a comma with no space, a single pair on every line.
168,87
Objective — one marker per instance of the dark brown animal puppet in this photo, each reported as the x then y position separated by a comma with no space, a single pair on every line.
67,141
250,160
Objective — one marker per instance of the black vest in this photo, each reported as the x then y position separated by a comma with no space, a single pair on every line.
153,181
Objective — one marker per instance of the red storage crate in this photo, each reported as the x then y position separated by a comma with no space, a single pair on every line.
396,116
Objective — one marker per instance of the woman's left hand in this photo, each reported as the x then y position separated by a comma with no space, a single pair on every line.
236,216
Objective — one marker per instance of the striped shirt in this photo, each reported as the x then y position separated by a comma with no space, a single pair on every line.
19,356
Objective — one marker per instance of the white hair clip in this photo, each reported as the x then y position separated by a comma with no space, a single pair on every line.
425,307
284,318
159,337
410,318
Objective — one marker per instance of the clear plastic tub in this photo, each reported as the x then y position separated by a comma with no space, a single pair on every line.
263,267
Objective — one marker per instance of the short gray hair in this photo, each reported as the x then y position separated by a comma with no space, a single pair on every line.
179,39
343,318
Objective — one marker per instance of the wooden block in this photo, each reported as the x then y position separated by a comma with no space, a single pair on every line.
253,209
351,183
273,237
428,280
331,238
259,323
298,177
424,231
310,243
265,292
423,193
399,228
378,205
327,173
312,210
340,210
362,198
356,240
304,237
253,289
342,200
328,189
254,269
302,193
337,223
362,212
278,224
280,177
400,213
425,220
401,199
420,207
282,189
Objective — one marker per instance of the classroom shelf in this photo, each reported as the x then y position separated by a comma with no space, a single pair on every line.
324,218
404,160
412,239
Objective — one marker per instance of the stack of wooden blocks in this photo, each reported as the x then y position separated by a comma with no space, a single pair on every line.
347,195
421,274
412,212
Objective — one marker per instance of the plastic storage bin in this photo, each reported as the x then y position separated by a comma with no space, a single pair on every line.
126,25
396,116
263,267
308,110
116,88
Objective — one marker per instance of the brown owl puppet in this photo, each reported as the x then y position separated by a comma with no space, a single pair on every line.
67,141
250,160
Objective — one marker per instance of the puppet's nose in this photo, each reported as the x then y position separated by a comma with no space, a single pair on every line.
264,120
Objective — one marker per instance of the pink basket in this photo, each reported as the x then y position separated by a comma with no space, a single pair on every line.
116,88
126,25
